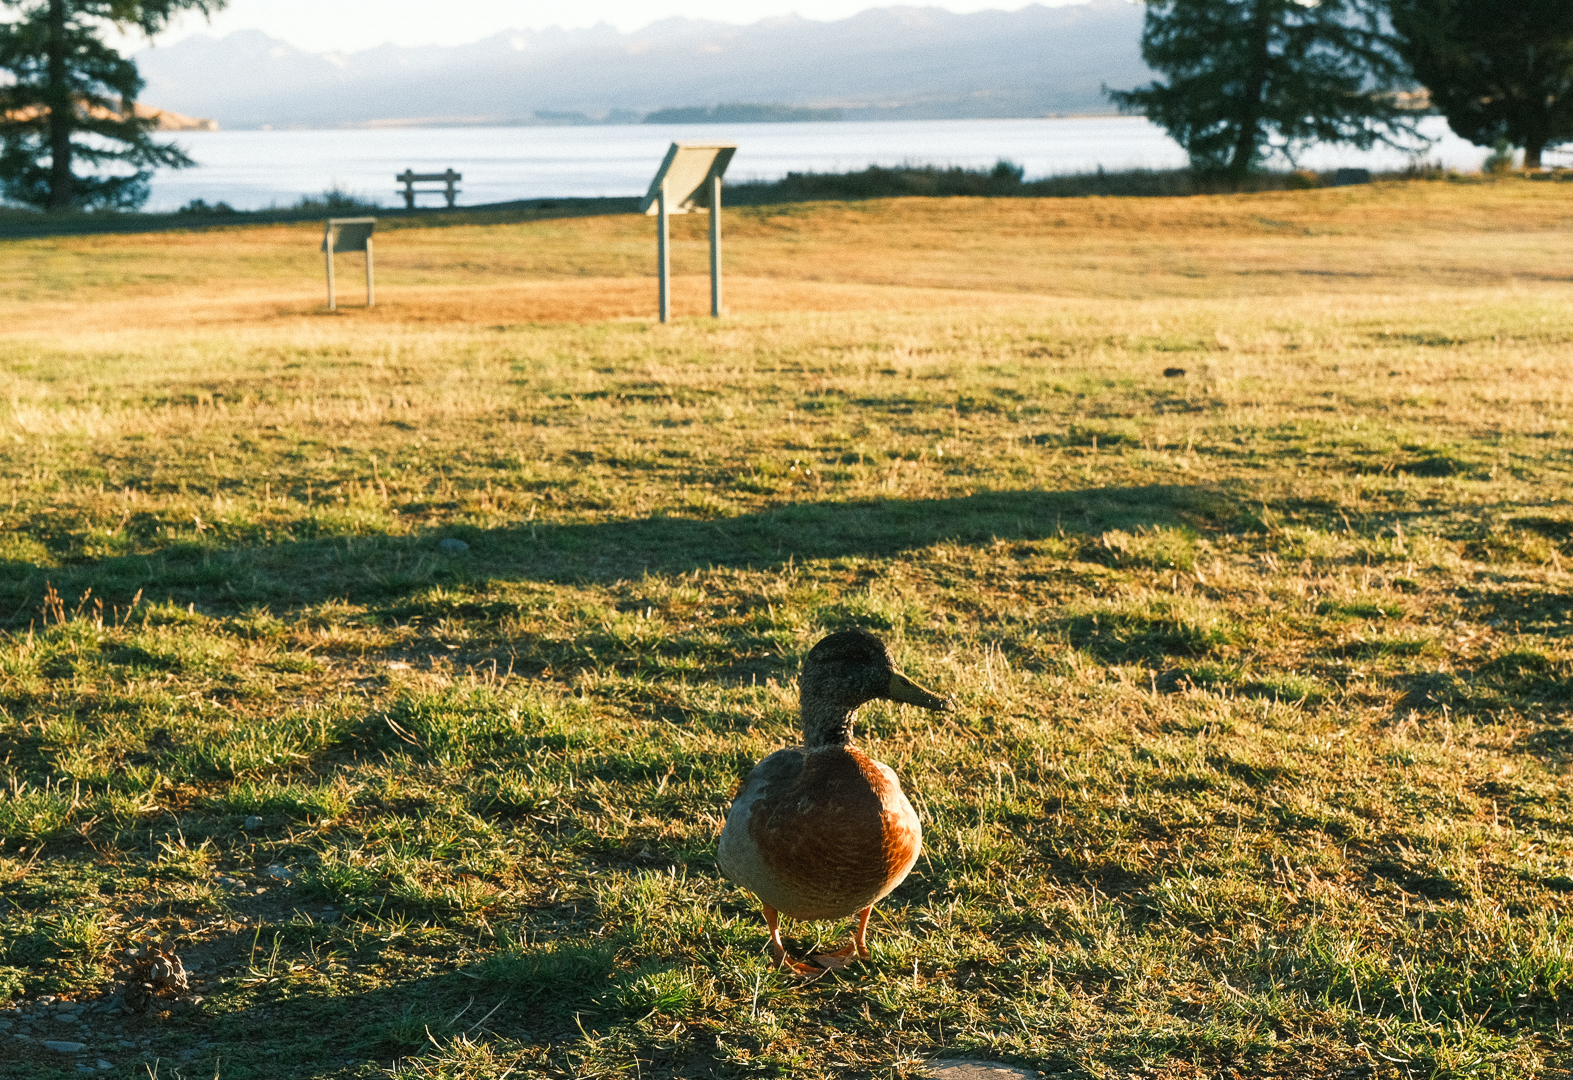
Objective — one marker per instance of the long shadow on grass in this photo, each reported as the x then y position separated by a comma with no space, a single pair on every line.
514,1000
376,569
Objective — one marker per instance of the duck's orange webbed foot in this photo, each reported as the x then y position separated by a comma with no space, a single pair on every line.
857,949
778,950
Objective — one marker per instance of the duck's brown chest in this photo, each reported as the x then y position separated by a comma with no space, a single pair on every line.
841,834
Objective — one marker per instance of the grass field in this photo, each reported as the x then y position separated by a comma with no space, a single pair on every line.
1263,671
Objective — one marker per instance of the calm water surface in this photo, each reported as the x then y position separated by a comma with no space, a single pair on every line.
256,169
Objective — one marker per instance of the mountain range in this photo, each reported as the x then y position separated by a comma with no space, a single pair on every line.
884,63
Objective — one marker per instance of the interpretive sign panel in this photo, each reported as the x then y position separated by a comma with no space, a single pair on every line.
683,174
349,234
688,169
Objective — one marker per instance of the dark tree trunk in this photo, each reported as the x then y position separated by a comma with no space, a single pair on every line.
1251,105
62,111
1535,138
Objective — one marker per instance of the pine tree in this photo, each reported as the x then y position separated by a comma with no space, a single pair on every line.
1246,78
67,84
1496,70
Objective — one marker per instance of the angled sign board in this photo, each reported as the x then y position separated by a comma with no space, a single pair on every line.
688,170
348,233
683,174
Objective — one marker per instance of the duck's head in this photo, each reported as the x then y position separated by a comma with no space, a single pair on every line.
845,671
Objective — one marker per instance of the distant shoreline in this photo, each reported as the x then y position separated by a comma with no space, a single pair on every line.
1002,182
412,123
263,171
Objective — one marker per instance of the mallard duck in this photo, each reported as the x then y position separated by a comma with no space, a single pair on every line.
822,831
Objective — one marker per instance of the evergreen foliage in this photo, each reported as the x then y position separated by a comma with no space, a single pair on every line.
73,100
1496,71
1246,78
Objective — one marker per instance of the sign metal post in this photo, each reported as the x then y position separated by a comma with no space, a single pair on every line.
688,170
663,252
715,245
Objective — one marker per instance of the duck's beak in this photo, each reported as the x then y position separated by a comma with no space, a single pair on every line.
905,690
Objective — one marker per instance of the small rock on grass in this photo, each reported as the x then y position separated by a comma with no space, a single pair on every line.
453,546
956,1069
62,1047
102,1064
253,823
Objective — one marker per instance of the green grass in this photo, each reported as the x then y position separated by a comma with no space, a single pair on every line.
1259,765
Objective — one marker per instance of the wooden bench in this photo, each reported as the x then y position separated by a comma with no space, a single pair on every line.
409,179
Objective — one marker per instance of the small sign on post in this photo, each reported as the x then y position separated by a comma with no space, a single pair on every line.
688,169
349,234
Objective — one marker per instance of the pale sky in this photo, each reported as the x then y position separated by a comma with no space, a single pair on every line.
349,25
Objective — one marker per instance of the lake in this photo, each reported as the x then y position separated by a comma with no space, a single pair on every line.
253,170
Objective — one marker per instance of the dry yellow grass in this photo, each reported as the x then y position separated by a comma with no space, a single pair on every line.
1350,241
1261,756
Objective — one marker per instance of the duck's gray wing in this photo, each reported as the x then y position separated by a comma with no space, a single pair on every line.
735,852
